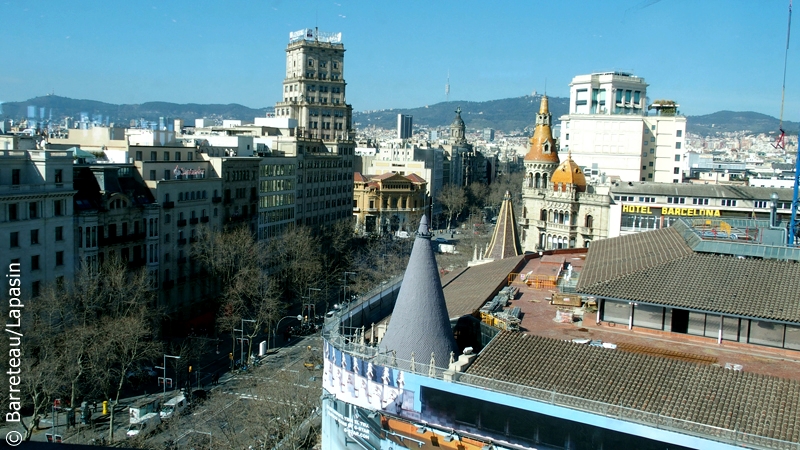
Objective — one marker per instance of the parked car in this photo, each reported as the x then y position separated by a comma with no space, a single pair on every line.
146,425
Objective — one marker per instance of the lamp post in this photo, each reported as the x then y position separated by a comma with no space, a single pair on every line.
241,344
164,368
275,331
347,300
312,305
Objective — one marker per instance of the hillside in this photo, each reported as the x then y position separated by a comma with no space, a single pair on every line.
731,121
61,107
509,115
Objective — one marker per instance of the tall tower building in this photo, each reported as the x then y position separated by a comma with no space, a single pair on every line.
609,131
404,123
542,157
314,90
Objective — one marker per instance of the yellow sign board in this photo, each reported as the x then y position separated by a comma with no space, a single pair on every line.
670,211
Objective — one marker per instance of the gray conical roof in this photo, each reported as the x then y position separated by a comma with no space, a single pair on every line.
419,322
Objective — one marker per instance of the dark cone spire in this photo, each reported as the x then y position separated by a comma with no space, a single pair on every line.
419,322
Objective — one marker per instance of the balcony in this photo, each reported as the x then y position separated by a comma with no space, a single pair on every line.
216,199
182,222
204,219
168,205
182,241
194,220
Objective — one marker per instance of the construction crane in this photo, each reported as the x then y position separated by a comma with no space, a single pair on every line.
780,142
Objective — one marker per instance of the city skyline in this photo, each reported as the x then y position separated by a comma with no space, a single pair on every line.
400,56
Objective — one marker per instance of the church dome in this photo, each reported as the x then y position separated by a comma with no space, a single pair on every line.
569,173
542,144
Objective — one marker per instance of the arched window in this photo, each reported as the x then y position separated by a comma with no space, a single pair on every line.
560,217
566,218
538,180
544,180
543,215
589,221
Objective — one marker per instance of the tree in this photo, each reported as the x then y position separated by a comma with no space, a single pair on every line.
454,200
83,338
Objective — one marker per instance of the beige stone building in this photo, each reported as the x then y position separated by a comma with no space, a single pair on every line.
388,203
560,210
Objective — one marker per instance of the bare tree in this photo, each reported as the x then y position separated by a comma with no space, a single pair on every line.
454,200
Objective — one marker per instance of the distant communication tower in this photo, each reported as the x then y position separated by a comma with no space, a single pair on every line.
447,88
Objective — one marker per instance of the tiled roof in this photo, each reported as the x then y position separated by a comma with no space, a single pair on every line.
657,267
415,178
359,178
701,190
468,290
662,387
420,323
505,240
609,259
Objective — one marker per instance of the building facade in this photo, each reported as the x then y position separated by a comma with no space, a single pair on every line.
36,224
388,203
560,210
610,133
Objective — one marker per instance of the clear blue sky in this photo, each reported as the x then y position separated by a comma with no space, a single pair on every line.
708,55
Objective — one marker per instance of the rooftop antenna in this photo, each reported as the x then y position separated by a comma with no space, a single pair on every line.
545,87
447,87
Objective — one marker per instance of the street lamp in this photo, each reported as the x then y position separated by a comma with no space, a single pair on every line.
312,305
345,294
275,331
241,344
164,368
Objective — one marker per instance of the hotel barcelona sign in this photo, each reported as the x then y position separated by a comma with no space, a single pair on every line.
671,211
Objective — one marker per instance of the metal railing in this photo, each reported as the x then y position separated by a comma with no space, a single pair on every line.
351,343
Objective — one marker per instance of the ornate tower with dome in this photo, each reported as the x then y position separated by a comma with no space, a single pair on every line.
560,210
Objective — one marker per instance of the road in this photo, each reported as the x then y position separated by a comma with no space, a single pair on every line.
288,358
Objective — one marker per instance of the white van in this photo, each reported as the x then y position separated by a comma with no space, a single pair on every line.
173,407
146,425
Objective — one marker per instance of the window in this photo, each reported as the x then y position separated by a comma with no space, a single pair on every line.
677,158
15,176
177,156
58,207
699,201
33,210
166,156
760,204
12,212
153,156
650,164
167,218
59,233
34,237
676,170
166,174
678,145
36,287
679,133
139,155
59,178
152,175
35,262
676,200
59,258
728,202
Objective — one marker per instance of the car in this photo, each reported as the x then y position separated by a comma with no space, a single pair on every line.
146,425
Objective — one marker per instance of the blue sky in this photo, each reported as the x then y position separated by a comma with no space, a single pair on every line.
708,55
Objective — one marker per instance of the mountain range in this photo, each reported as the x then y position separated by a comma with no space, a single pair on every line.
510,115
